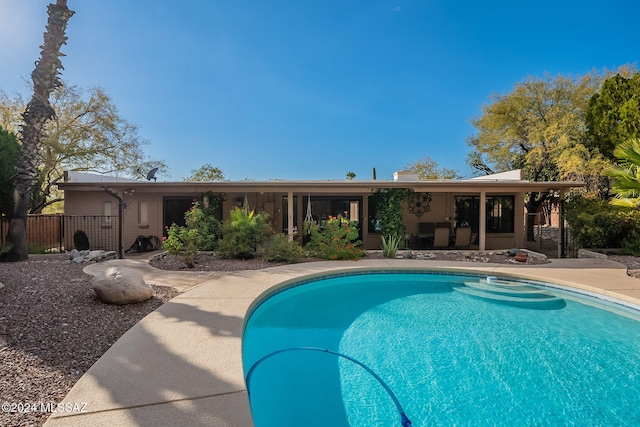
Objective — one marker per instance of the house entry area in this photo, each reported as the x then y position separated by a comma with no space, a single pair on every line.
173,210
500,213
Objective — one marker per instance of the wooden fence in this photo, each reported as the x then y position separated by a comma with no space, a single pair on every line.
55,233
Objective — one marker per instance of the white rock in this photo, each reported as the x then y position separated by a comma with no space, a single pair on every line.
121,285
584,253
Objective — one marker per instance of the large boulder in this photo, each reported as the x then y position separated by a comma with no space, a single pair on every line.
121,285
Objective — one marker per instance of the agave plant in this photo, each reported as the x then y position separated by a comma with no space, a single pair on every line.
390,245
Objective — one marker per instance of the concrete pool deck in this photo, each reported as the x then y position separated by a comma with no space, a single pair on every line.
182,364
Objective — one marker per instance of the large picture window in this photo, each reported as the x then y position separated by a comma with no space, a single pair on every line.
323,207
500,213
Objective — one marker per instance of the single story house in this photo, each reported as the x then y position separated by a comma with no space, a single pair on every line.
492,205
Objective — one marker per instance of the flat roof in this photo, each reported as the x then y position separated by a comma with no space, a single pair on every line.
320,186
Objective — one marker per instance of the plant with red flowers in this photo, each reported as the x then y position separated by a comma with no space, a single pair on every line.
335,239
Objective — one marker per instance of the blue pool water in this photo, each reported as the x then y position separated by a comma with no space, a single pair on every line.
450,355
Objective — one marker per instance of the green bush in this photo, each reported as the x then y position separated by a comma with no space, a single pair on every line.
336,238
595,223
208,227
242,233
282,249
182,241
201,232
390,211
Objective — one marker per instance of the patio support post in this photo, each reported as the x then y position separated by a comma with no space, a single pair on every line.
561,242
483,221
290,215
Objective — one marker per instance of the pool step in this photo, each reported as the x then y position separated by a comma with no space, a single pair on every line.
511,293
515,291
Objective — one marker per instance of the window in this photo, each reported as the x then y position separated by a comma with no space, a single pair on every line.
322,207
106,214
500,213
143,213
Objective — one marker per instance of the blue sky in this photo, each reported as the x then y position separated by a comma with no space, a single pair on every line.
304,89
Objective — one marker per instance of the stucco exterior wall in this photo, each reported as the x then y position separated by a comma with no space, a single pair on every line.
441,210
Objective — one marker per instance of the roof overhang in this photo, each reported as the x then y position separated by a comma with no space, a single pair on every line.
337,187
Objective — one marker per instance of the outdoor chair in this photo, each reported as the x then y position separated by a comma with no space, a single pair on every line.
441,237
463,238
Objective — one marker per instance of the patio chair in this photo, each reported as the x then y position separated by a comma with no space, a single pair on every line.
441,237
463,238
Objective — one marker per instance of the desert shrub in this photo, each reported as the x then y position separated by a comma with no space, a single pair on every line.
282,249
597,224
208,227
181,241
242,233
201,232
336,238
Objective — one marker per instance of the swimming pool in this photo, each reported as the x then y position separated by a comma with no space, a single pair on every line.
455,349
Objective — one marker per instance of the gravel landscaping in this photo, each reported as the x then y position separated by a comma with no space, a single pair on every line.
52,327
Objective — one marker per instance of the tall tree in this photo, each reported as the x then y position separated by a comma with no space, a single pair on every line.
613,116
538,127
9,148
45,78
206,173
427,168
88,135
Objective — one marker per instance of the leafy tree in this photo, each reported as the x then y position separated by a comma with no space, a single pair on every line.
350,175
429,169
9,148
597,224
613,115
38,112
88,135
539,127
206,173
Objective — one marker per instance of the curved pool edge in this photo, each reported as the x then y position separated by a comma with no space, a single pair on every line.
183,363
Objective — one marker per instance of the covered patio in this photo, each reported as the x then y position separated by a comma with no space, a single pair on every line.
492,206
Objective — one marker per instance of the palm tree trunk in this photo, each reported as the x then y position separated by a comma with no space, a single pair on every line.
37,113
